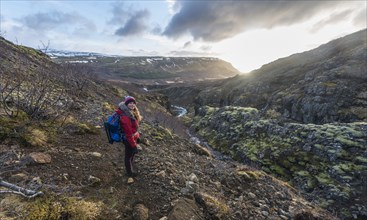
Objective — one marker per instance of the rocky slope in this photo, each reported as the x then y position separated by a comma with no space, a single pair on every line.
328,162
302,118
82,176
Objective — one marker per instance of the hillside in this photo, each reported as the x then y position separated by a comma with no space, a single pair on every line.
302,118
52,141
323,85
154,70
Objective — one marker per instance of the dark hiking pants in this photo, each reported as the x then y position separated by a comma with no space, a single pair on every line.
129,157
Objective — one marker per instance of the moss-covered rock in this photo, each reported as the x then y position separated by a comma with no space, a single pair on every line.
312,157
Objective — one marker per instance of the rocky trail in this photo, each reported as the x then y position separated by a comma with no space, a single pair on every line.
176,180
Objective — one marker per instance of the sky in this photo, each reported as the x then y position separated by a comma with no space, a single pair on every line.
248,34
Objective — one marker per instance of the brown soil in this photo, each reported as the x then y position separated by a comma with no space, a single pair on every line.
168,169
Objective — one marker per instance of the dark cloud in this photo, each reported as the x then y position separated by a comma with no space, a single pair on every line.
130,20
120,13
217,20
51,20
187,44
157,30
135,24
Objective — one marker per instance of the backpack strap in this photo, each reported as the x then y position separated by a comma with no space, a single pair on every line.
123,136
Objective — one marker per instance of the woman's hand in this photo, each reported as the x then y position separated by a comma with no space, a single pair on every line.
136,135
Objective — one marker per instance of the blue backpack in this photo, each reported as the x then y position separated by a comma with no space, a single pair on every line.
113,128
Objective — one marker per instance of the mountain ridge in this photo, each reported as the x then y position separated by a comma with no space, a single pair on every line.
155,69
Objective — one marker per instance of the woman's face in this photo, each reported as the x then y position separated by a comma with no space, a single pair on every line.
131,105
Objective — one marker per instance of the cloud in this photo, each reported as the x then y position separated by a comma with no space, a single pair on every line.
142,52
120,13
206,48
54,19
185,53
214,21
130,20
157,30
135,24
332,19
187,44
361,19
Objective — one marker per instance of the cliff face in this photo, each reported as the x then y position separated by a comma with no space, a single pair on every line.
323,85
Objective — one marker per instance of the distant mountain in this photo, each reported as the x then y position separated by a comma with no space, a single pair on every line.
54,53
152,70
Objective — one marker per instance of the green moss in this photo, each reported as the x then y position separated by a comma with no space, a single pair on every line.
119,92
87,129
211,203
319,146
44,208
107,107
279,170
349,167
51,207
311,183
323,203
250,174
347,178
347,142
338,169
291,159
35,137
361,159
324,179
303,173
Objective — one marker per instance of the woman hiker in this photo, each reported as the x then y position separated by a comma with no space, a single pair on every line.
129,121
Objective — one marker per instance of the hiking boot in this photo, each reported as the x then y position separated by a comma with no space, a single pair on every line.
139,148
130,180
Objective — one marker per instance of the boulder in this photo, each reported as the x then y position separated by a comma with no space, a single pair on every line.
140,212
35,158
185,209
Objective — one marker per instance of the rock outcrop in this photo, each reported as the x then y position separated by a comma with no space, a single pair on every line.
328,161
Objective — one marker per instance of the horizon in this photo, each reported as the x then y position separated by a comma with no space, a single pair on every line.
246,34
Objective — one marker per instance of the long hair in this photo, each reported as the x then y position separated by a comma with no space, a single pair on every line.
137,114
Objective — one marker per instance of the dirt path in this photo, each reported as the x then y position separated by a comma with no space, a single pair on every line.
175,178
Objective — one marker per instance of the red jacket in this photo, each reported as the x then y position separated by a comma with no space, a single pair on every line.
129,126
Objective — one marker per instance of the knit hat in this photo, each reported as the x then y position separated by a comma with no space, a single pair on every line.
129,99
